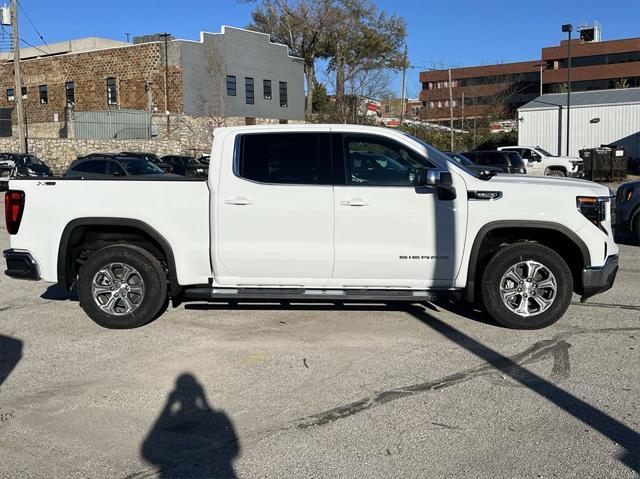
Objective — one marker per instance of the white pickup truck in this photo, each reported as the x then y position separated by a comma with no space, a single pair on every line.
540,162
331,213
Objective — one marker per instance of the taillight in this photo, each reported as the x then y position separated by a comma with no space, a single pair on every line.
13,208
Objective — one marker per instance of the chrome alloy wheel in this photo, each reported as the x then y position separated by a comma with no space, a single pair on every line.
118,289
528,288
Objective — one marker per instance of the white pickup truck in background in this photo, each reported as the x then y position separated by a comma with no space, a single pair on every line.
540,162
332,213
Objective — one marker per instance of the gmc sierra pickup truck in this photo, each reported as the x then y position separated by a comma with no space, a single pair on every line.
330,213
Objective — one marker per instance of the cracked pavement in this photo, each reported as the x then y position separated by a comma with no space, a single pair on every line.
319,391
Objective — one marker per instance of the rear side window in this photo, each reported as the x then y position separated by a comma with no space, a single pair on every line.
285,158
93,166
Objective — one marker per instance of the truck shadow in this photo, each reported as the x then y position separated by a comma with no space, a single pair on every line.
606,425
10,355
190,438
55,293
459,308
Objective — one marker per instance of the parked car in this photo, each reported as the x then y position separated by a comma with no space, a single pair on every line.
152,157
506,161
109,166
541,162
186,165
466,162
20,165
290,219
628,208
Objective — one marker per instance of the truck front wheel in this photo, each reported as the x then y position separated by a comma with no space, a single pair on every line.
122,287
526,286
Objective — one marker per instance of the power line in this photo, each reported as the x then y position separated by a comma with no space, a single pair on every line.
34,26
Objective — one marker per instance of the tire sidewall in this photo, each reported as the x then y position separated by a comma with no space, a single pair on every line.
154,285
508,257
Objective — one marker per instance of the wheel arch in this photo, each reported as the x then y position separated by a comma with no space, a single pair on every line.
491,236
76,230
556,167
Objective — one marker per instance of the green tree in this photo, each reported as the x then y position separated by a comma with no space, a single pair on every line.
320,98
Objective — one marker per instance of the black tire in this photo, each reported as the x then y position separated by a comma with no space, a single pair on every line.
499,265
556,173
147,267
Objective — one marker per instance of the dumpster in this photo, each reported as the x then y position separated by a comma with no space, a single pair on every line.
606,163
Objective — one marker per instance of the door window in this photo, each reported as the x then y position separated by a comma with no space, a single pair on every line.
371,161
285,158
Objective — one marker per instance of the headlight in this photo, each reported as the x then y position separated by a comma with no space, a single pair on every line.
594,209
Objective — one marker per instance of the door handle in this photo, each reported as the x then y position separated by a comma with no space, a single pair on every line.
238,201
354,202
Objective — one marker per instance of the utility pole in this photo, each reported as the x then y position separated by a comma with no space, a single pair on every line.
18,80
451,110
404,77
166,81
568,28
475,114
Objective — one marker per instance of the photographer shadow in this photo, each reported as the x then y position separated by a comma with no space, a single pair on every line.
190,439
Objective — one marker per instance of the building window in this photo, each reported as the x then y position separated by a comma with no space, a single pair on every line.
70,93
24,92
266,89
11,94
284,102
231,85
44,94
248,91
112,92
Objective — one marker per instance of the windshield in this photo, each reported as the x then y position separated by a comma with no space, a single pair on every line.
463,160
30,160
516,159
543,151
140,167
438,155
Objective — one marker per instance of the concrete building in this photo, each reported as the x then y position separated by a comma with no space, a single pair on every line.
232,74
597,118
596,65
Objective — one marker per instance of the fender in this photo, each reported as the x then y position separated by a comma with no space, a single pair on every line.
63,249
541,225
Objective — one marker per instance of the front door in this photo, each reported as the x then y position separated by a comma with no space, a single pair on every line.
389,232
274,211
533,161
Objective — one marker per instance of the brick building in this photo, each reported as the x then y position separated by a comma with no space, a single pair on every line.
235,73
498,90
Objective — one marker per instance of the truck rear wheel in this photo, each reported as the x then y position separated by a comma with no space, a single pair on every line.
526,286
555,172
122,287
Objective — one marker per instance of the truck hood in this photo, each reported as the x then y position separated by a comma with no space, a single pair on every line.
540,184
567,158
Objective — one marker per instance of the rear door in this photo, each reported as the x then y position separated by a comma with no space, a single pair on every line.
274,221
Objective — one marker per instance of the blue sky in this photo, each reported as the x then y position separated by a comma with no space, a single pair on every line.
440,33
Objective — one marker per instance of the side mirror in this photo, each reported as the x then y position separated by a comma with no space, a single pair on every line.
438,177
443,181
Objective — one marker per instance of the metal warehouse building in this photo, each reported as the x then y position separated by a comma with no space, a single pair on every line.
597,118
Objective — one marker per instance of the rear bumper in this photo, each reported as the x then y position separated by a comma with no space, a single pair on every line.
21,265
599,280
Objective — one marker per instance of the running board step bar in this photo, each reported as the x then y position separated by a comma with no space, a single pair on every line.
310,294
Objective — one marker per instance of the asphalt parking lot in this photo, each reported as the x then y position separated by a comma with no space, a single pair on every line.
318,391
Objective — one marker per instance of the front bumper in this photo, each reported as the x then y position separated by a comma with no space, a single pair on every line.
599,280
21,265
